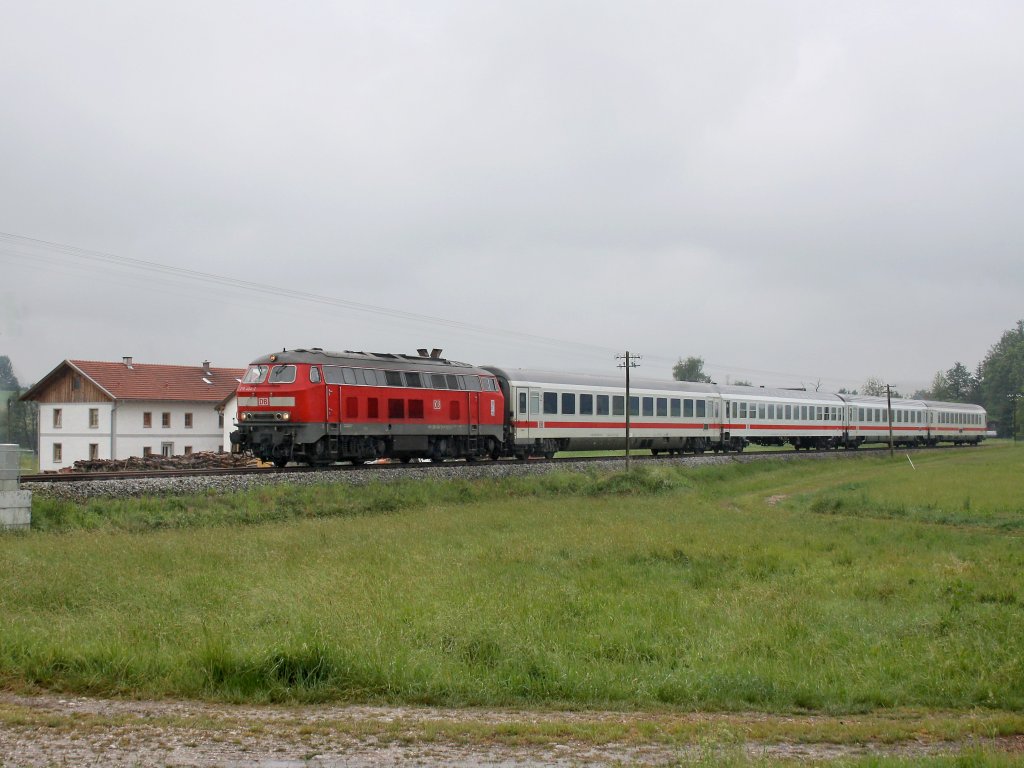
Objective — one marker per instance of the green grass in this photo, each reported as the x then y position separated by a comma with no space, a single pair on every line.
831,586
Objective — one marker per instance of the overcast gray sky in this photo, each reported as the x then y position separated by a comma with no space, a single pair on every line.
795,191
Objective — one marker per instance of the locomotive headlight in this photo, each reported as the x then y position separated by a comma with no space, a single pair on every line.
285,416
243,416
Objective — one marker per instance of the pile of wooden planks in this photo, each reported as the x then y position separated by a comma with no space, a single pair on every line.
198,460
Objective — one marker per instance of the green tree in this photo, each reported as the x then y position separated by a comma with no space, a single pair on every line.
8,381
1002,374
690,369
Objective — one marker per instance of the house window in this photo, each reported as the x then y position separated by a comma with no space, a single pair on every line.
220,419
166,449
165,419
147,420
94,451
58,453
94,418
58,418
188,450
147,452
188,421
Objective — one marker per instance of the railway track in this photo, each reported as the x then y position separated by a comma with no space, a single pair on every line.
77,477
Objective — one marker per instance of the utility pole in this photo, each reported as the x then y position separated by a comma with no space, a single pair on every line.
628,361
888,399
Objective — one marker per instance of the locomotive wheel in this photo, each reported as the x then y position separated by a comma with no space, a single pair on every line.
280,461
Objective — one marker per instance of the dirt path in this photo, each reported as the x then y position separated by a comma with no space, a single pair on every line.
49,730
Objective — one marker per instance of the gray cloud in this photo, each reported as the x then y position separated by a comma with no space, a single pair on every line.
793,190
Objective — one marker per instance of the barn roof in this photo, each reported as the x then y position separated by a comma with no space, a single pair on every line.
128,380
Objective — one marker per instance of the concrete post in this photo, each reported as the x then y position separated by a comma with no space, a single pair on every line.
15,504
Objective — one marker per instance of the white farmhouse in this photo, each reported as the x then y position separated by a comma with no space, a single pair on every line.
101,410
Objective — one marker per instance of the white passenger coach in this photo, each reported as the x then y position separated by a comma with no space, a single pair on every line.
550,412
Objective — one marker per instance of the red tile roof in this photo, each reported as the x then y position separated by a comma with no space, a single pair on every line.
141,381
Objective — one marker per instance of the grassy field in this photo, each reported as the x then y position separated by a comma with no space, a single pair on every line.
826,586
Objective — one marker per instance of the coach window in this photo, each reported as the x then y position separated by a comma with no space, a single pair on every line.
688,408
770,412
675,407
586,405
618,405
568,403
789,413
662,406
550,402
348,376
522,403
314,374
760,411
701,409
634,406
282,374
602,405
820,413
648,406
412,379
534,403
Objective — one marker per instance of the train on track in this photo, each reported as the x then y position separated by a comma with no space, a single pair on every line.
318,407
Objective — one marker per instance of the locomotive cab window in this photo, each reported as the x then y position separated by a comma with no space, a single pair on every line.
256,374
282,374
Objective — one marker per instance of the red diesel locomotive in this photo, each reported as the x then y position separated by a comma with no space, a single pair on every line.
322,407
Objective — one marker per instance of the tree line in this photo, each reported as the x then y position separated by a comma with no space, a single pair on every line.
993,384
19,422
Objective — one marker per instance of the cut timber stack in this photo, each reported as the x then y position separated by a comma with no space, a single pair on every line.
200,460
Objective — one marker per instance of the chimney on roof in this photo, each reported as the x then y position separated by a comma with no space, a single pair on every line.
206,368
435,353
127,360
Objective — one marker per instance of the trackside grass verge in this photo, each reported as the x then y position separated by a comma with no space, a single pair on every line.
730,588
